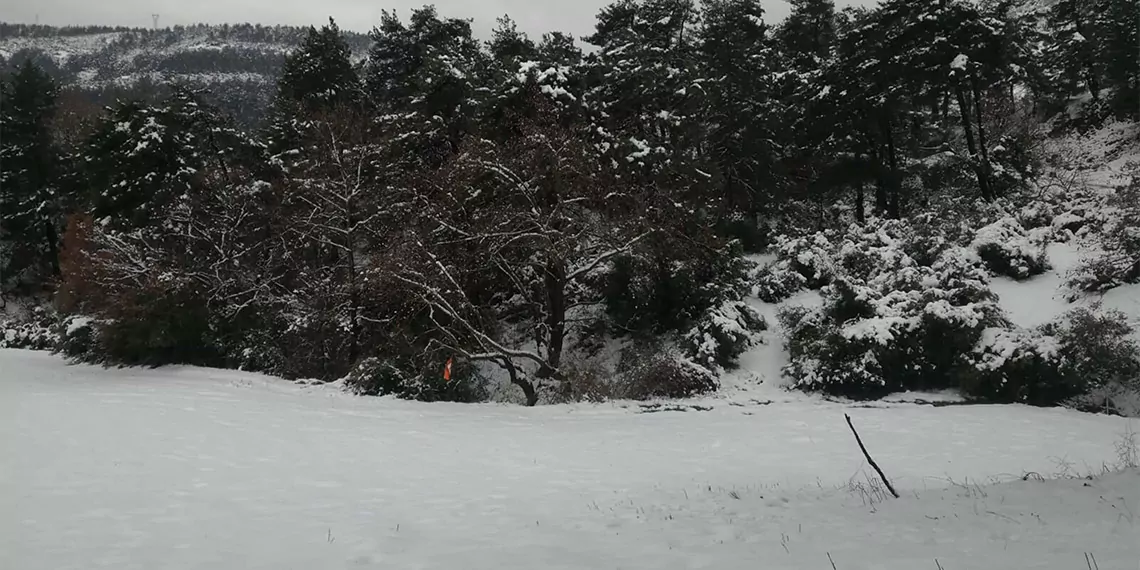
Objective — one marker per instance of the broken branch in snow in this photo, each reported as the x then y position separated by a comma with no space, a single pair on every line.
874,465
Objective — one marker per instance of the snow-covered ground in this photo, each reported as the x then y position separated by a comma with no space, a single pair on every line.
192,468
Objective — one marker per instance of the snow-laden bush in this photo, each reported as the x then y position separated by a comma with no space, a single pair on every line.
1119,262
1074,359
1122,399
652,371
76,336
888,322
1008,249
655,291
777,281
723,334
423,382
801,263
30,335
34,329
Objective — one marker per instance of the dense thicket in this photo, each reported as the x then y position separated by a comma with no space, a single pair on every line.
517,204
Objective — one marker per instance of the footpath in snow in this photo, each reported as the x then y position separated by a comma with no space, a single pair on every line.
190,468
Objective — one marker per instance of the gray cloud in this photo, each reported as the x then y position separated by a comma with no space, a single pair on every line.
533,16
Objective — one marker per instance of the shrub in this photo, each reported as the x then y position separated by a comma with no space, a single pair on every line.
584,382
1113,398
153,329
36,332
76,337
753,237
649,371
657,292
810,256
723,334
776,282
1119,263
1007,250
1079,354
903,327
417,379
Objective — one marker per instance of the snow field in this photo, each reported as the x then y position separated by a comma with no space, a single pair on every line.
192,468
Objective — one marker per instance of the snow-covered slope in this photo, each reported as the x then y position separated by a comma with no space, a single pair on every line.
190,468
239,64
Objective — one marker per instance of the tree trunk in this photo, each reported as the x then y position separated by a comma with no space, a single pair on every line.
521,382
555,281
353,293
1091,80
860,210
983,147
893,209
880,183
964,111
53,247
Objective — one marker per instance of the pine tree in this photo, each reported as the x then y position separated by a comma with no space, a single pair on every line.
510,45
423,77
1073,47
1119,24
808,34
319,75
524,80
744,110
316,78
559,48
29,172
644,82
143,160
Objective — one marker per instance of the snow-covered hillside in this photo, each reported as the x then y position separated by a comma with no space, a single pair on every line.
193,468
239,64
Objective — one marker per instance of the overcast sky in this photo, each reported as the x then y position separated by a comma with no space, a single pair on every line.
533,16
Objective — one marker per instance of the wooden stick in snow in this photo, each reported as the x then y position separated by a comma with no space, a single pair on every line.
868,456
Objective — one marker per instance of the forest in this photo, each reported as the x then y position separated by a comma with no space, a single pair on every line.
587,224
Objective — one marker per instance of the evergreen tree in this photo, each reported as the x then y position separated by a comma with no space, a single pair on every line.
29,173
316,78
1119,25
744,108
645,82
143,160
319,75
808,34
559,48
1073,47
423,77
510,45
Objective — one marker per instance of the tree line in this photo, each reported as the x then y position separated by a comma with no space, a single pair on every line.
508,202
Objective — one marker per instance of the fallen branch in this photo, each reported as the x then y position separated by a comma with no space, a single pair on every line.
869,460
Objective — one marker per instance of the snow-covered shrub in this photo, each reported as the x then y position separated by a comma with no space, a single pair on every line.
76,337
723,334
1018,365
753,237
1116,398
584,381
810,256
889,323
801,263
1119,263
777,281
423,381
1066,360
1008,250
652,371
659,290
36,332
